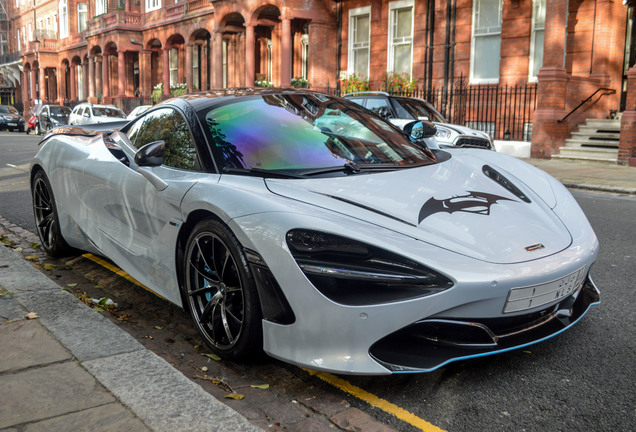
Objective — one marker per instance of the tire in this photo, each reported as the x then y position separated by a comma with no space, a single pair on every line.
220,292
47,221
37,129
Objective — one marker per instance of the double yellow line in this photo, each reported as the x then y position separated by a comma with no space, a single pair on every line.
345,386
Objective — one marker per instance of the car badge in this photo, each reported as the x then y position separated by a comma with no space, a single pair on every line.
535,247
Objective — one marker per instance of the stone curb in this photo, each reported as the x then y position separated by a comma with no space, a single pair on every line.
159,395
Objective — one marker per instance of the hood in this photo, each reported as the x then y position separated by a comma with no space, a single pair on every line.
466,204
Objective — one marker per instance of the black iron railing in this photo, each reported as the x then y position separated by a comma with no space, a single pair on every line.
503,111
606,92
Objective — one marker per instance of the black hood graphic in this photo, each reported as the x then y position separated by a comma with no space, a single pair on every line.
473,202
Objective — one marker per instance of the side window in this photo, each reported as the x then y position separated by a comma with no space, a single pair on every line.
167,125
87,112
379,106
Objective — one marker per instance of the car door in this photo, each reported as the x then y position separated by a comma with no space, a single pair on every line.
44,118
139,207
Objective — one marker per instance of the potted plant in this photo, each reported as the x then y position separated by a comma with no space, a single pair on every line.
300,82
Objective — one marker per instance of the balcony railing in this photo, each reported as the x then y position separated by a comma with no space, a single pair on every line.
9,58
175,9
197,4
116,18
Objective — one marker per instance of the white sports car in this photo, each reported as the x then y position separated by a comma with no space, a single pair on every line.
305,226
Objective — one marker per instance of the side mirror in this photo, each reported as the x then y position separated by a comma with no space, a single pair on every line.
151,154
418,130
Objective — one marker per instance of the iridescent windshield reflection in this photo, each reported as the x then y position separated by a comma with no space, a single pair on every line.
305,131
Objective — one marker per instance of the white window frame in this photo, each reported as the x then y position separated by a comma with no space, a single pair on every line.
393,8
100,7
490,32
536,28
304,56
173,65
83,12
19,41
63,18
196,66
353,15
153,5
30,32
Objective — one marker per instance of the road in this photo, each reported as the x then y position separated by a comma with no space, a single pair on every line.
581,380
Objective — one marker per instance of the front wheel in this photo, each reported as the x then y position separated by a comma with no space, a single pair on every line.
220,292
46,219
37,129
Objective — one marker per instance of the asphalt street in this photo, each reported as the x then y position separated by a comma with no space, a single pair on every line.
581,380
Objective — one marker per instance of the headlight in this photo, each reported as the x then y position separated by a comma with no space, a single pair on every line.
443,133
353,273
7,118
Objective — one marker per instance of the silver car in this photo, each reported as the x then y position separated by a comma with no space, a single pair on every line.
401,110
88,113
304,226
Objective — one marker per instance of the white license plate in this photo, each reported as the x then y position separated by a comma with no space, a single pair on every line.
538,295
12,124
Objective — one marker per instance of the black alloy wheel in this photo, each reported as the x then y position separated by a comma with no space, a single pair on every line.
46,217
220,292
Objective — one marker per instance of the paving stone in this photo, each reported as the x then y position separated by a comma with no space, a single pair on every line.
31,345
106,418
87,334
10,310
157,393
46,392
311,425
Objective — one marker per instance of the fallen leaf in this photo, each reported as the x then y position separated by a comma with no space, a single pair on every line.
235,396
49,267
35,246
32,315
158,327
261,386
18,249
98,309
528,352
212,356
123,317
32,258
72,285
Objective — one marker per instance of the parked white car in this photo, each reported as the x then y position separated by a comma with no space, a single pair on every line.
87,113
401,110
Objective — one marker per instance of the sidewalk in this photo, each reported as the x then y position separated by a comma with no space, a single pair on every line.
590,175
73,370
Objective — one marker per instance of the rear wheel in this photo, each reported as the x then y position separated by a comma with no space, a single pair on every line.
220,292
46,218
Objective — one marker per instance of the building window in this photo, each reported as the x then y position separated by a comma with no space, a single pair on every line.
63,19
400,37
30,32
19,41
304,40
24,36
80,82
536,43
152,5
100,7
173,60
486,41
359,36
196,82
82,17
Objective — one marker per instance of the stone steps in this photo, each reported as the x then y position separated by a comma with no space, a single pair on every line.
596,140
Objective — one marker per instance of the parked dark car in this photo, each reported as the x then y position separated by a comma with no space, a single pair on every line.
51,116
10,119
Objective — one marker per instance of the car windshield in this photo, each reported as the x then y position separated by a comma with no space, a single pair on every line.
60,111
417,109
108,112
8,110
305,131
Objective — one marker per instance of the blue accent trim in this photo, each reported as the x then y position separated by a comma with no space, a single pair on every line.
502,350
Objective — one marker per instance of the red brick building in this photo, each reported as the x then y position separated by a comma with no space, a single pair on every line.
117,51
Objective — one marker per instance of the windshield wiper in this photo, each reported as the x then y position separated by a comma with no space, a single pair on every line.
348,168
259,172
